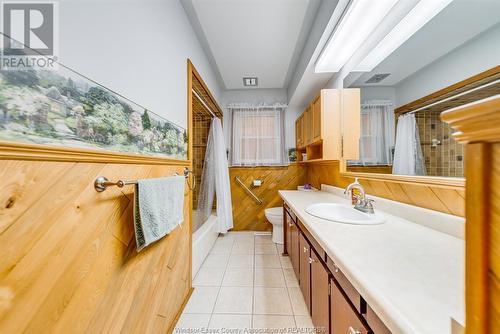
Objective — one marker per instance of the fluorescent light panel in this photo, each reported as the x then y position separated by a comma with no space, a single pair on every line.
422,13
361,18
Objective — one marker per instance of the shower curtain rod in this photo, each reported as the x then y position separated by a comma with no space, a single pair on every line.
258,106
203,102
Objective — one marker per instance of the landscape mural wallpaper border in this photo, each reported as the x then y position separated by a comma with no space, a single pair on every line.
61,107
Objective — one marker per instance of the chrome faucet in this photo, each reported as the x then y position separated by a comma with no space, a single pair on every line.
363,204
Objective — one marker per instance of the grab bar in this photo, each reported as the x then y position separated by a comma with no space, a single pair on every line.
102,183
258,200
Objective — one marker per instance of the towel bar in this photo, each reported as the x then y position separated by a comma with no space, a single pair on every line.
101,183
248,191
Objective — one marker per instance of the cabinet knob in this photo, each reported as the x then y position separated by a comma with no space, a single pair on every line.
306,250
335,268
353,331
311,260
290,224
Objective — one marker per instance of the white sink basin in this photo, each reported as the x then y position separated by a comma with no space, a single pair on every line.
343,214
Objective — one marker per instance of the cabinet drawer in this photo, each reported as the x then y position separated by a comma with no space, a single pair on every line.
344,283
314,244
344,319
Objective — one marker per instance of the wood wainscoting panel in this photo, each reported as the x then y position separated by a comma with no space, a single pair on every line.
69,263
444,199
247,214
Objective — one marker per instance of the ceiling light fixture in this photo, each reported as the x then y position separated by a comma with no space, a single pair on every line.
422,13
250,82
357,23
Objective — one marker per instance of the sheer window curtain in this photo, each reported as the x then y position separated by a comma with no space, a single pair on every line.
377,134
257,136
408,158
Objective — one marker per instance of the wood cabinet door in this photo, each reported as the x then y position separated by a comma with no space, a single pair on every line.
299,131
307,119
287,226
320,297
316,119
344,318
305,270
294,252
351,118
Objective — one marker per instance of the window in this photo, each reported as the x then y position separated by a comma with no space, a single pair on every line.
258,136
376,142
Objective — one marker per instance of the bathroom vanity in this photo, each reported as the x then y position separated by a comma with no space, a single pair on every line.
402,276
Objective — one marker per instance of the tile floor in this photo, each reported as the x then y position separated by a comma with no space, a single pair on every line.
245,284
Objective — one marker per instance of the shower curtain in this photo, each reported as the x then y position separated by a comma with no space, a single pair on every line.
408,158
215,180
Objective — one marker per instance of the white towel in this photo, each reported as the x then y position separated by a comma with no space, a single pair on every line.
158,208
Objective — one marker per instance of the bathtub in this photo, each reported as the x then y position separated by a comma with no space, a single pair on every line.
203,240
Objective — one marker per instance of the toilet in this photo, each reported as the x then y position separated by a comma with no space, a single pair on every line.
275,217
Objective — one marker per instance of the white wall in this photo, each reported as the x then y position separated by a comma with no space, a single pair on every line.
378,93
136,48
254,96
261,96
477,55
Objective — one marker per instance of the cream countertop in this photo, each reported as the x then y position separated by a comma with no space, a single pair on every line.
411,275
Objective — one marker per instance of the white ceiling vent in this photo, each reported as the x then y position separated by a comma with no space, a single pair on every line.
250,82
377,78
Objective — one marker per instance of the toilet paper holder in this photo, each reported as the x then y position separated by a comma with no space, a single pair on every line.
257,183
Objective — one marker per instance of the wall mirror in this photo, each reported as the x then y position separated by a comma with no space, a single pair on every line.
448,62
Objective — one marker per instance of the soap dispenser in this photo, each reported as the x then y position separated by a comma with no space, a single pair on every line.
355,193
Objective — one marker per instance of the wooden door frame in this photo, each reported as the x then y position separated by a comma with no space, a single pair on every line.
193,73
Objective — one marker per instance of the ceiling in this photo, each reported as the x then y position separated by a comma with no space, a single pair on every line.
444,33
252,38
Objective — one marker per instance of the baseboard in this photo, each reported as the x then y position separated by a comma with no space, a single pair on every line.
183,306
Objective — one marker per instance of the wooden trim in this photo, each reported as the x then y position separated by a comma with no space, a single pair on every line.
190,71
476,121
456,88
178,315
478,126
193,73
198,76
477,237
451,182
39,152
442,182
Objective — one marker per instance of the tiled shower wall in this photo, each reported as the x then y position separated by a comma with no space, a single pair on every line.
445,158
201,127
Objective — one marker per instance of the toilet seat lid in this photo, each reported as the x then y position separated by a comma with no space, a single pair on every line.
278,211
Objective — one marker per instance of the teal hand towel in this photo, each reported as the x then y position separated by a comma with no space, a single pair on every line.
158,208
